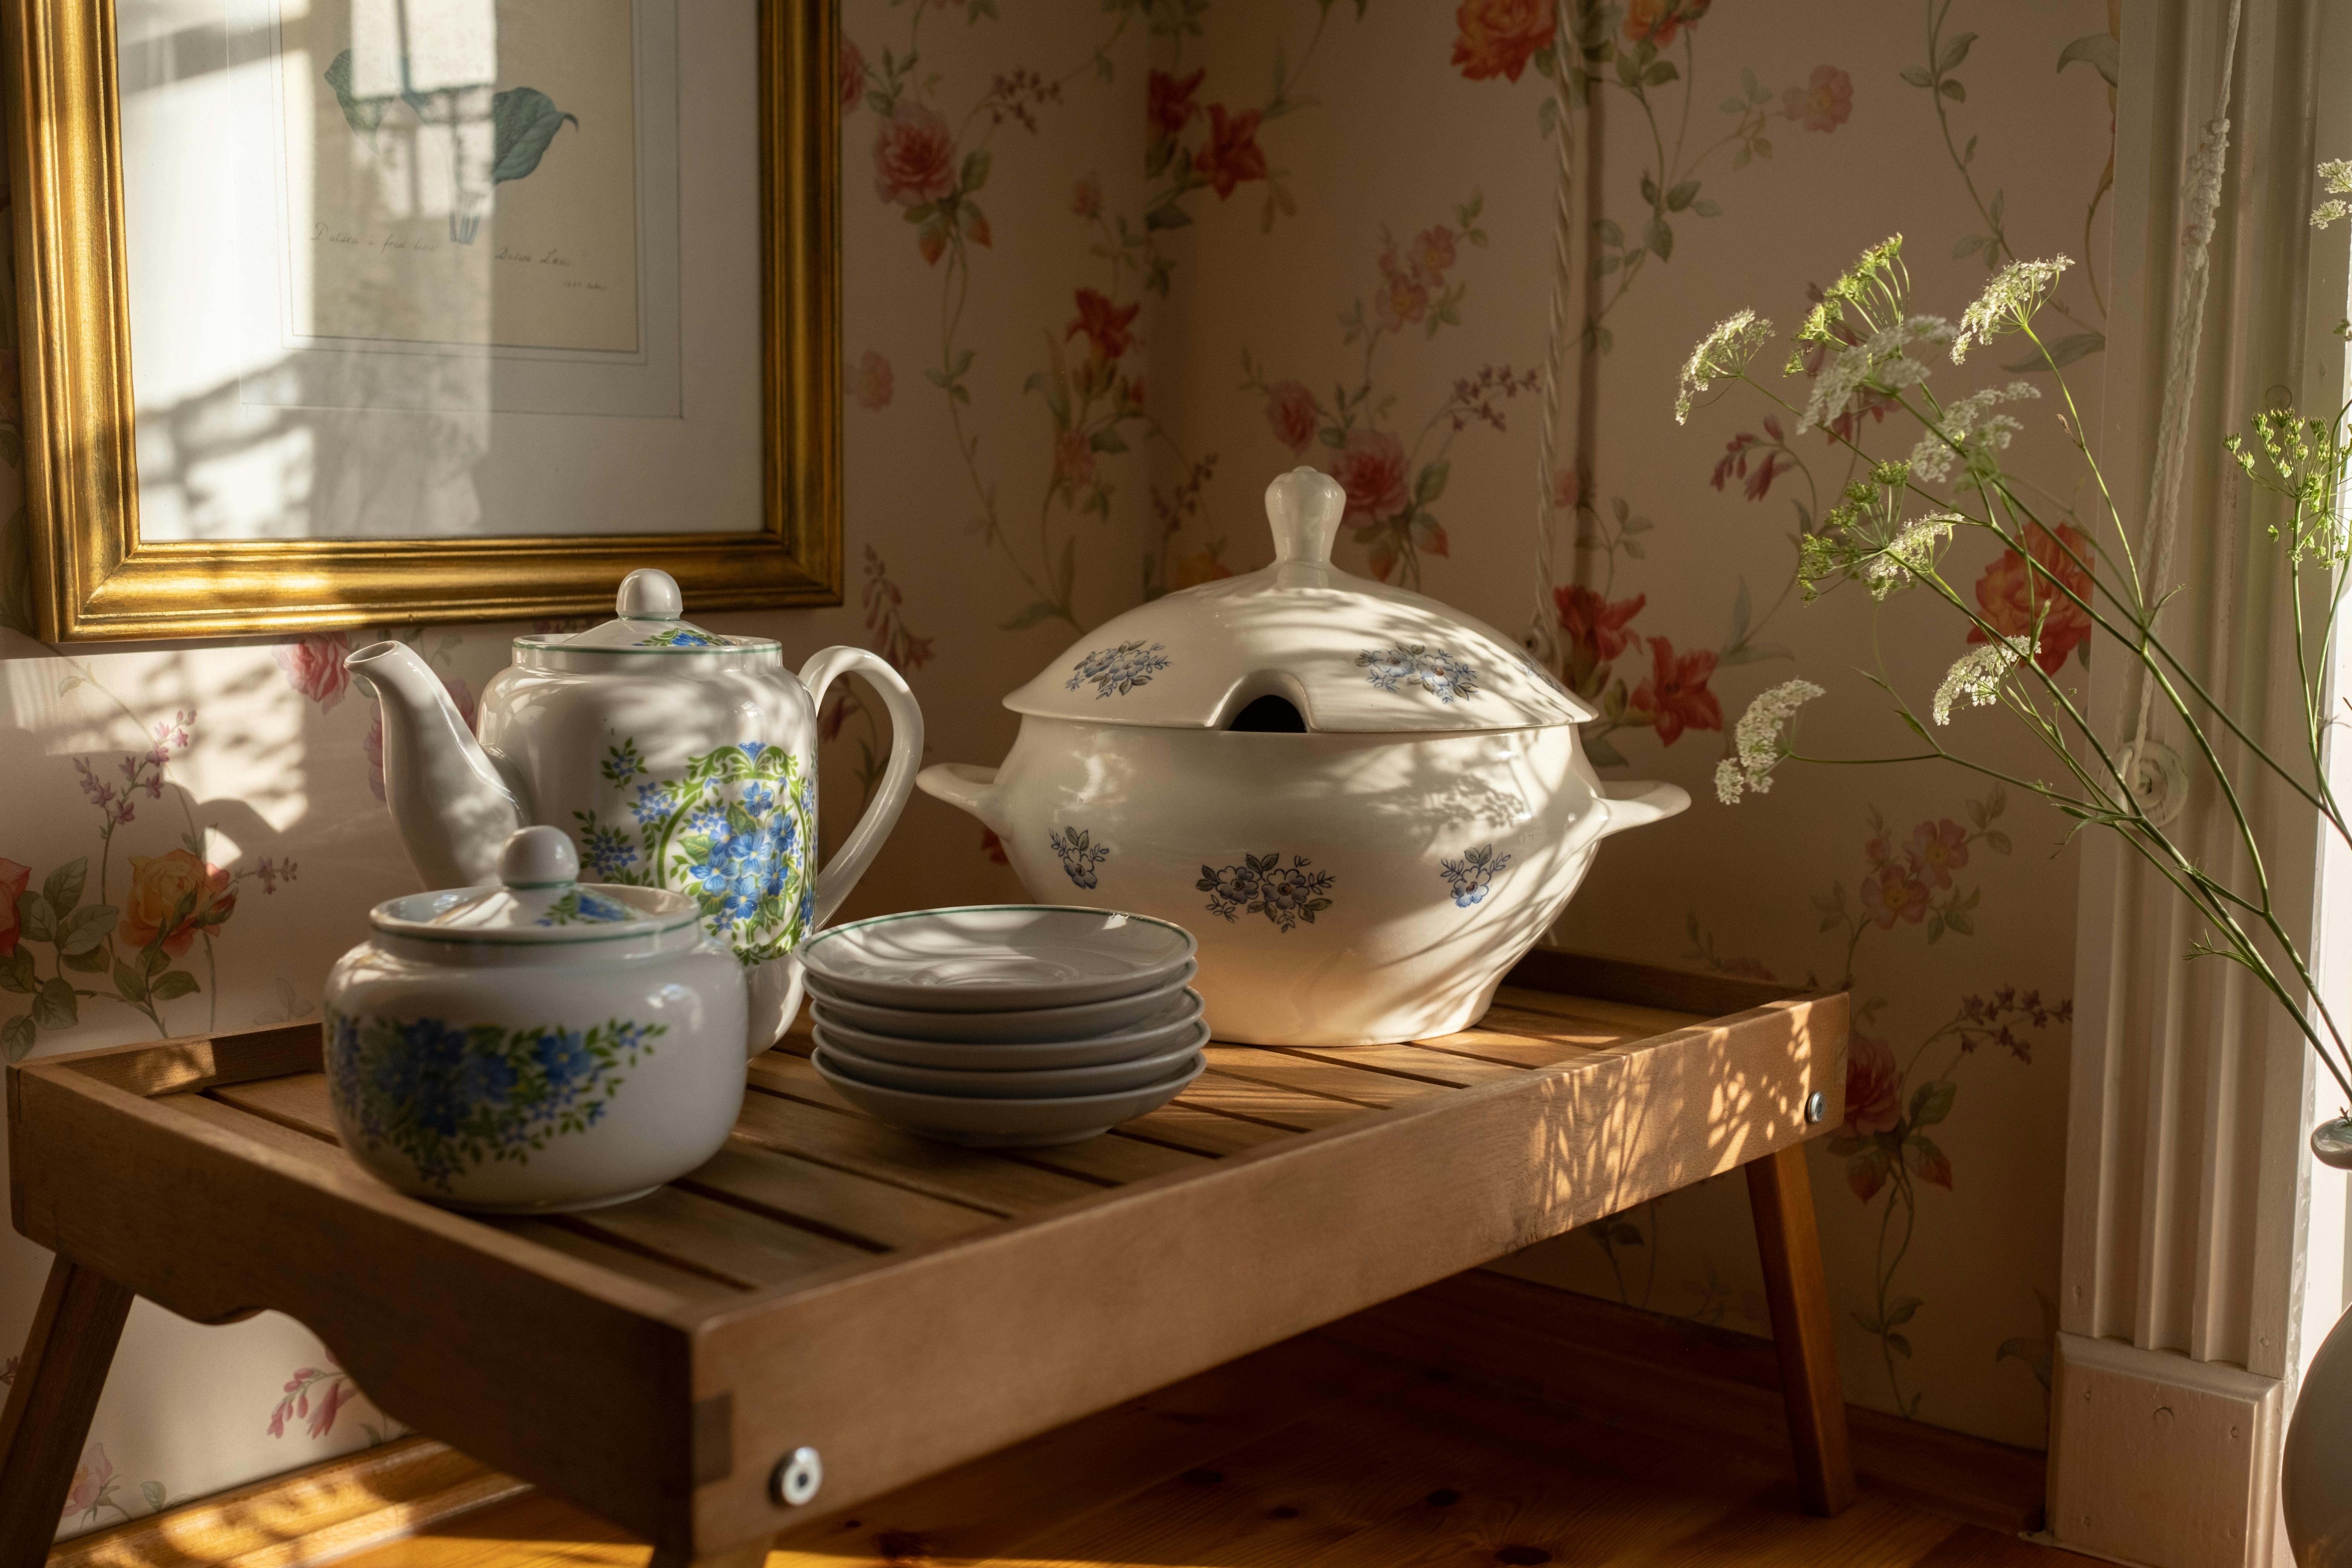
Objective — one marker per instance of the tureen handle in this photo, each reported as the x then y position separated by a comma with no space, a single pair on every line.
1305,506
1632,802
864,841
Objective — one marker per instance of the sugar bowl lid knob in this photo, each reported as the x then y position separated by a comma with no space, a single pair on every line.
539,857
1305,506
649,593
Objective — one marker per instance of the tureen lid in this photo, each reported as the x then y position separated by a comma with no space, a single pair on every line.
649,618
1347,654
542,899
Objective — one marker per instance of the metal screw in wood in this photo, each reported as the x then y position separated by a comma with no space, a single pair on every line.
1816,1107
798,1475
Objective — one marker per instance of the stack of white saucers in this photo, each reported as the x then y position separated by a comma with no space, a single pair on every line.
1005,1026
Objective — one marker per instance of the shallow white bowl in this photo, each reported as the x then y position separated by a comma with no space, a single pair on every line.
1026,1025
1005,1123
1164,1030
996,957
1012,1083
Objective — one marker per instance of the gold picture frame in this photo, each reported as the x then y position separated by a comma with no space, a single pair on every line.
94,579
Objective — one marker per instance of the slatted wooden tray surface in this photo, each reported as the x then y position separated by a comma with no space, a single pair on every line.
902,1305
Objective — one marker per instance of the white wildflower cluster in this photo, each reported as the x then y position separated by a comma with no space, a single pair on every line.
1977,675
1933,457
2337,174
1877,360
1757,743
1723,352
1913,549
2015,292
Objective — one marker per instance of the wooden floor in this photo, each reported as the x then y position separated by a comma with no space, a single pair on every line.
1311,1453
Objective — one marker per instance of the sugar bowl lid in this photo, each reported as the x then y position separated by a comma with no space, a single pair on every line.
1349,655
541,901
648,620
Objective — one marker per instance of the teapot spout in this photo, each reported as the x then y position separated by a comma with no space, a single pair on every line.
454,809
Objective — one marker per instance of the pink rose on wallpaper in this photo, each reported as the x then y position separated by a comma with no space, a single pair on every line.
1497,38
1657,21
13,879
1938,848
1430,253
1873,1088
1109,325
1892,891
1372,470
1403,298
1073,460
1168,102
2009,597
1598,629
1825,103
1086,196
871,382
853,75
1232,156
1675,695
1290,412
175,898
914,155
372,747
1564,488
90,1479
314,667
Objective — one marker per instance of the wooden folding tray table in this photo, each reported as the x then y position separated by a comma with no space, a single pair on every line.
829,1299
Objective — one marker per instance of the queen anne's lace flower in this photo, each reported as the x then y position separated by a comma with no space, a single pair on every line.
1878,360
1757,743
2015,292
1913,549
1932,458
1977,675
2337,174
1723,352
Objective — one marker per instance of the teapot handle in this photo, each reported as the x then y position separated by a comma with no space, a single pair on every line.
857,851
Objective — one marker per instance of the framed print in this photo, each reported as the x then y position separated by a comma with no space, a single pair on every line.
339,312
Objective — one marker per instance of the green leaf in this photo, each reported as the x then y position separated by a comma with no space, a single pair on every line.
85,929
1870,1325
1107,439
1899,1345
127,983
35,918
1969,245
1954,53
1996,842
2000,203
1430,483
154,1492
523,120
1955,91
63,887
1035,613
1900,1312
1610,233
1706,207
1660,72
1968,152
16,1037
975,169
1933,1102
170,983
57,1006
1681,195
2101,52
97,961
1659,237
2062,351
153,960
363,115
1918,76
1603,752
1168,214
1649,188
17,973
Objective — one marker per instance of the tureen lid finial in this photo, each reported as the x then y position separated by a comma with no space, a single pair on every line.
1305,506
649,593
539,857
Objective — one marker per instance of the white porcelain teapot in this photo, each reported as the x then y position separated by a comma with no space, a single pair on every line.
674,757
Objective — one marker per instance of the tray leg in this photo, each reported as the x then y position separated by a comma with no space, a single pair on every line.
48,1416
751,1554
1782,1200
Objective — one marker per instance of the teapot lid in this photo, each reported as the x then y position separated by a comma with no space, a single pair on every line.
1347,654
648,619
541,900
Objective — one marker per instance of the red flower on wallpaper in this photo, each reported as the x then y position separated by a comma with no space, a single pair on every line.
1892,891
1372,470
1938,848
335,1390
1232,156
1873,1088
871,382
1290,412
1675,693
314,667
853,75
1403,298
13,880
1073,460
92,1480
174,897
1822,104
1597,628
1431,252
1107,325
914,155
2009,596
1168,102
1769,459
1657,21
1497,38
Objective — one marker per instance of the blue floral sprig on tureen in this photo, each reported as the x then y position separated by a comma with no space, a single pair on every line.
1471,875
1116,671
1261,885
1432,669
1079,854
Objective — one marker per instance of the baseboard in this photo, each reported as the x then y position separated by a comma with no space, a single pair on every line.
1707,1386
307,1517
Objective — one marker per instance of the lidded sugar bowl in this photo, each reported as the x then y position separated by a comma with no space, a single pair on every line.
1367,805
543,1045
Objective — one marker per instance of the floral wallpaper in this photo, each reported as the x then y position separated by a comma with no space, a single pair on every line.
1110,265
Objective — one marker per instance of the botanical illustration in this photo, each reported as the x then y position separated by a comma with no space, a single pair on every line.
317,1395
522,122
735,831
452,1097
1263,885
1081,857
97,1489
1473,873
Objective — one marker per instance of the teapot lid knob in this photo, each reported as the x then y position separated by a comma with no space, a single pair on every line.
1305,506
539,857
649,593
